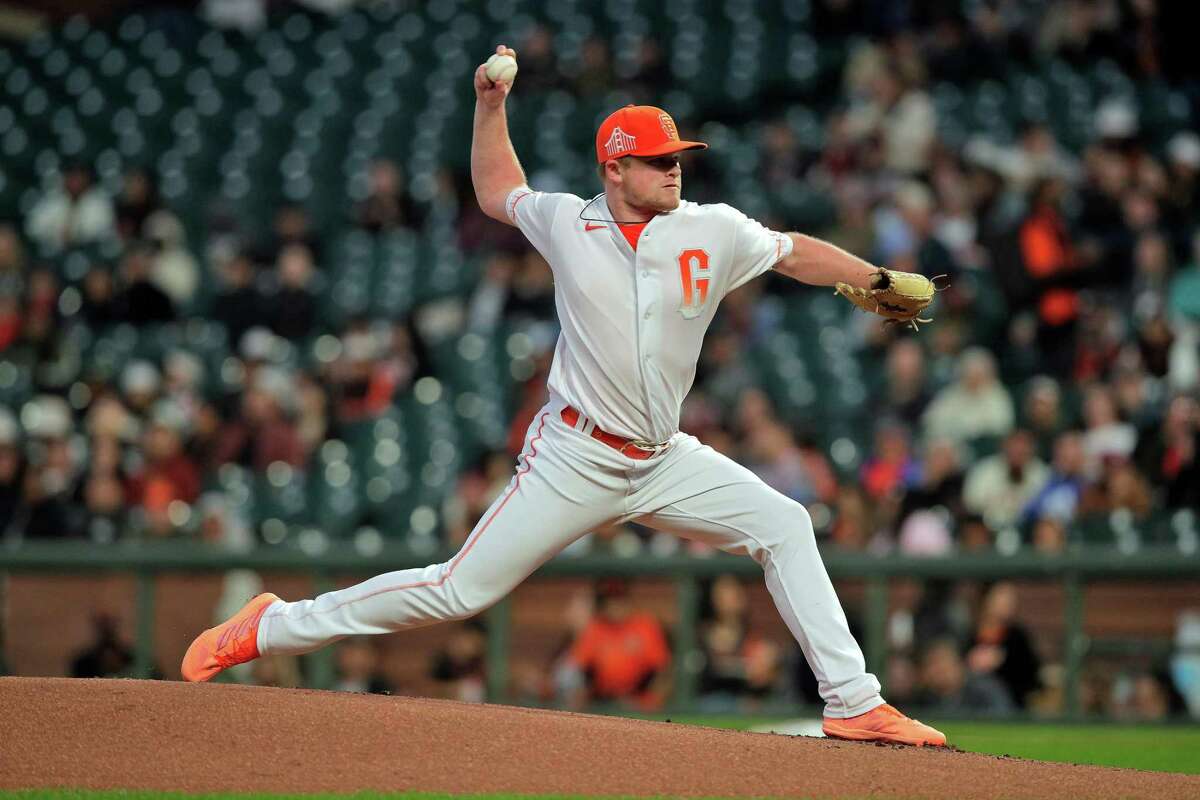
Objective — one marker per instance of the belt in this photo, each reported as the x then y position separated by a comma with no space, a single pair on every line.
631,448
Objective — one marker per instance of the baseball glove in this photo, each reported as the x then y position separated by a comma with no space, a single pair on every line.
898,296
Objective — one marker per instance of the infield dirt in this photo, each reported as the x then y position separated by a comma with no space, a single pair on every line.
104,734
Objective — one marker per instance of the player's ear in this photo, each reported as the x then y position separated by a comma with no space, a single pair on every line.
610,171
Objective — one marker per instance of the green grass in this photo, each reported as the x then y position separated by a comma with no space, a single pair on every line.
1164,748
1174,748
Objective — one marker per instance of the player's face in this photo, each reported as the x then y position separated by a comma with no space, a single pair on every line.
652,183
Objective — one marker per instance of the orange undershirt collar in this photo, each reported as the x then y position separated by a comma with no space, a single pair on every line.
632,232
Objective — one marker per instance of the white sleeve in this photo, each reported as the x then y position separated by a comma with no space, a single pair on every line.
756,249
533,212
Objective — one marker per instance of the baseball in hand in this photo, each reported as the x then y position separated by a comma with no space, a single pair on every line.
501,68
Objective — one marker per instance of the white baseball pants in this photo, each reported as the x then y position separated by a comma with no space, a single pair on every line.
568,484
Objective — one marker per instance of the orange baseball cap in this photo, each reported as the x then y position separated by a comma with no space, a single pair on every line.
644,131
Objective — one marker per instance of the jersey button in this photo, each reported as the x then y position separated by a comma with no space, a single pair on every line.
646,315
645,273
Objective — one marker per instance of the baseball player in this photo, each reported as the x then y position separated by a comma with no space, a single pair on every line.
638,274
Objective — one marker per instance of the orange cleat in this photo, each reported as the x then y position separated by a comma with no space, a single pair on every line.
234,641
883,724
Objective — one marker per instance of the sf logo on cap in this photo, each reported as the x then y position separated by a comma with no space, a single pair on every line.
668,126
619,142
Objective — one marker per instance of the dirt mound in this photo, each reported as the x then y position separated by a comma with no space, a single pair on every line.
204,738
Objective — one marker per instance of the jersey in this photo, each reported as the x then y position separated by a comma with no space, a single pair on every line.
633,321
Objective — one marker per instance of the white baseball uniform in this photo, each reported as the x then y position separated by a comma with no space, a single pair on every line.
632,326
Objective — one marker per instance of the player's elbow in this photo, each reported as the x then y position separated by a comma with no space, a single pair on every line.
492,202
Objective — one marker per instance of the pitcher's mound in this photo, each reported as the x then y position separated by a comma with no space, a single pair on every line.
104,734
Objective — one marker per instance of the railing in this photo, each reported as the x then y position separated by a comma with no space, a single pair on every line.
1073,570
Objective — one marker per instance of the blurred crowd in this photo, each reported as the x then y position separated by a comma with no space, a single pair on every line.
955,649
1057,387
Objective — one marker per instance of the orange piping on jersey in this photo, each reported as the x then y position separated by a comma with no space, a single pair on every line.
516,485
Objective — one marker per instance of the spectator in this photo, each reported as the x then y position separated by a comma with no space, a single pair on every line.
1146,697
262,433
141,302
41,318
938,482
1183,295
539,59
1107,436
724,369
363,384
976,405
853,527
906,392
460,668
12,468
919,250
1097,344
974,535
312,411
99,308
1043,415
50,479
1049,536
12,262
1054,268
388,205
294,306
102,491
1059,497
107,656
946,685
292,225
773,455
1120,488
486,307
740,665
891,468
10,321
74,213
1185,660
183,380
137,201
1000,486
238,305
168,476
1170,456
141,384
896,112
593,74
357,666
620,656
1152,275
174,270
1002,647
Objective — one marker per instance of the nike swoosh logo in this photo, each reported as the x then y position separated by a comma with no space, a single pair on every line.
590,227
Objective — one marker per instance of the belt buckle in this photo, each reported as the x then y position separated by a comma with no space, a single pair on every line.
649,447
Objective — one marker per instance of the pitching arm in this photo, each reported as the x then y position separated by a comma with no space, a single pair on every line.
820,263
495,170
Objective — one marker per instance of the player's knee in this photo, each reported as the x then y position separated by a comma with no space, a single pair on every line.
795,533
467,601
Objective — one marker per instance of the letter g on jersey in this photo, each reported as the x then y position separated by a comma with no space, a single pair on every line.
694,275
